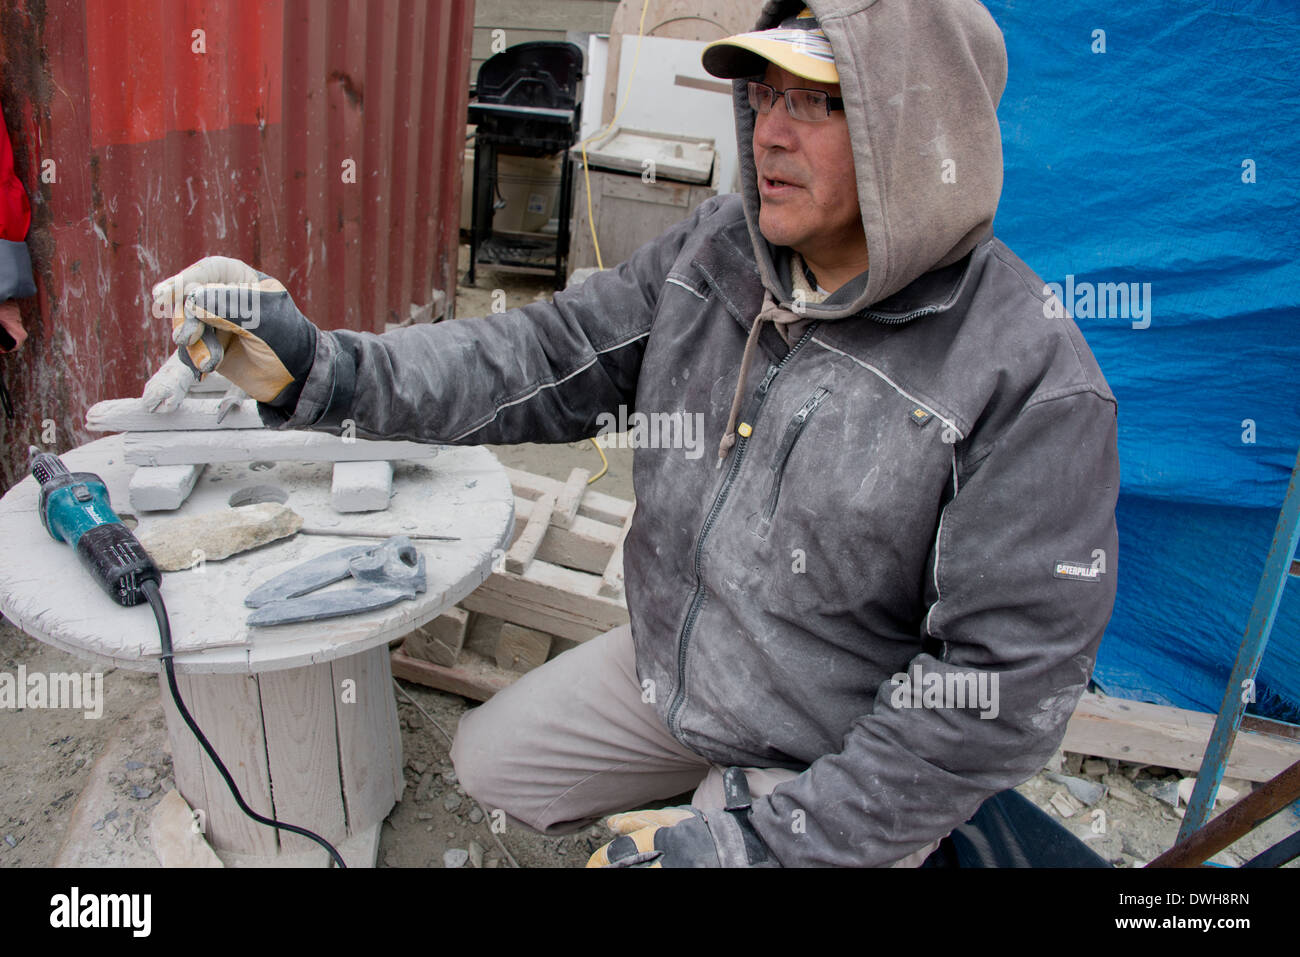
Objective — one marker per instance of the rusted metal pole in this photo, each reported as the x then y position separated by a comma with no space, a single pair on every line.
1241,818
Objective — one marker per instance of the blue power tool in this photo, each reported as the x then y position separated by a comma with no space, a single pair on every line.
75,509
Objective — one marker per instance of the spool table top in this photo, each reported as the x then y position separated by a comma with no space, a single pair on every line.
461,491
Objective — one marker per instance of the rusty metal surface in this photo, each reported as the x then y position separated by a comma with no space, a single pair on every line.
142,153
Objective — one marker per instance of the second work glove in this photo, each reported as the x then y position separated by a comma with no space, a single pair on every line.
230,317
688,836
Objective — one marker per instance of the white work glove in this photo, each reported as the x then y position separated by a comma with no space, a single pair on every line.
165,389
229,317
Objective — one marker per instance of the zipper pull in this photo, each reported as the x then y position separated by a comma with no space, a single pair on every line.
810,406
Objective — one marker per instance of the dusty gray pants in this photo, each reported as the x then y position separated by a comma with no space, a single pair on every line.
572,741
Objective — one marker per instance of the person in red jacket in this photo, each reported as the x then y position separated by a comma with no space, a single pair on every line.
15,263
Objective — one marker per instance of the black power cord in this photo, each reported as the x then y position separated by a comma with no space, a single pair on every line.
154,597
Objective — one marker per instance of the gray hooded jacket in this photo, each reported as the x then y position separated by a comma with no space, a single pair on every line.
897,582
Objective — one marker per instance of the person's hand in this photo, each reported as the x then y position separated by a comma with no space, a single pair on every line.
687,836
11,326
682,837
228,316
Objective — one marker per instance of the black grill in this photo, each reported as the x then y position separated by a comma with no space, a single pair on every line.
526,103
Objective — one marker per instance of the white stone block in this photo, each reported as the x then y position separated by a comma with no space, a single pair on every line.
162,488
362,486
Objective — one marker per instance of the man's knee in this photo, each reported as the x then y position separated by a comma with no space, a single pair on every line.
571,741
483,764
472,759
487,768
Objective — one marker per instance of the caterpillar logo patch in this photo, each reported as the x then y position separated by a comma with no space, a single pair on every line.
920,417
1078,571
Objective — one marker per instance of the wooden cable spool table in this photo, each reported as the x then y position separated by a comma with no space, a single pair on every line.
302,715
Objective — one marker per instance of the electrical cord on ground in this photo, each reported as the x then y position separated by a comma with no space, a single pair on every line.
154,596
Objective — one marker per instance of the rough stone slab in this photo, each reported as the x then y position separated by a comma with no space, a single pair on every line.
174,542
175,836
192,414
212,382
1064,806
262,445
362,486
162,488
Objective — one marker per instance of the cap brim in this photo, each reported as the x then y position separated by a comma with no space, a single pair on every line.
748,54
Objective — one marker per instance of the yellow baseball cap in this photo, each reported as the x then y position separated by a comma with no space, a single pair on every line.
798,45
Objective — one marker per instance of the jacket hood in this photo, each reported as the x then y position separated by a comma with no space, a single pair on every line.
921,80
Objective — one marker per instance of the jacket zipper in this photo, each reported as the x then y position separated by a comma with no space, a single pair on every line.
738,456
792,433
906,317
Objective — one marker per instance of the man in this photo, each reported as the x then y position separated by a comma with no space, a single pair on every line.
879,603
16,280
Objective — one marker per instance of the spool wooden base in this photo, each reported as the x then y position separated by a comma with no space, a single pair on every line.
317,746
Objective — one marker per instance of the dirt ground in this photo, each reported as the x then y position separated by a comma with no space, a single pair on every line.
49,756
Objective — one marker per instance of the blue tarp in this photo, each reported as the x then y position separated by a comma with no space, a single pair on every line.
1160,144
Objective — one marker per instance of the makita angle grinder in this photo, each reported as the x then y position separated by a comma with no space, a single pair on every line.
75,509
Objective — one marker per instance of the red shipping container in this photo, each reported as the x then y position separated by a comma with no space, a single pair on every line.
320,141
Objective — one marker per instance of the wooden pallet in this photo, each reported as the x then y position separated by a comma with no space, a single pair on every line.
559,583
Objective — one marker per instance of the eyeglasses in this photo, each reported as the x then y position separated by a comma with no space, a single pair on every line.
810,106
